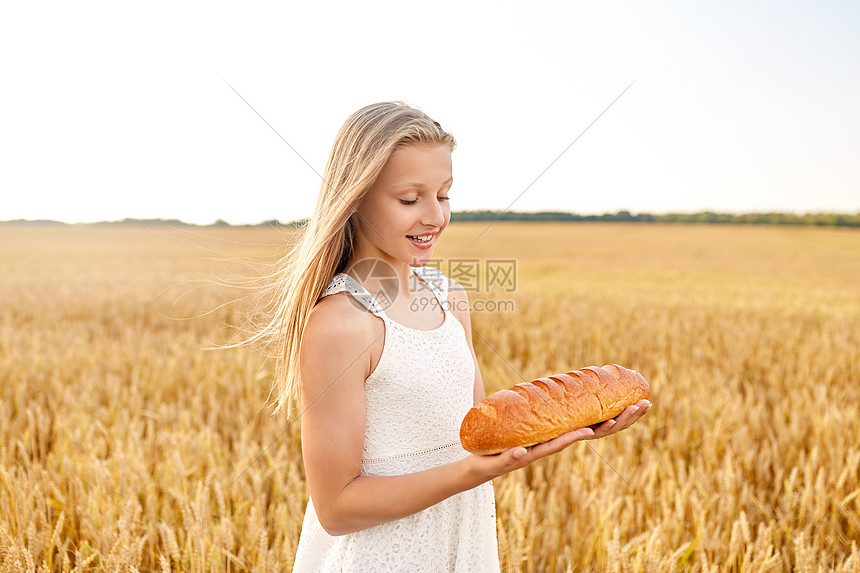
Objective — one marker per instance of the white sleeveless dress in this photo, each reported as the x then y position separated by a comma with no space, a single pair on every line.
415,400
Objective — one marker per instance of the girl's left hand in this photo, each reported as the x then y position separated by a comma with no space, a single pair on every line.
622,421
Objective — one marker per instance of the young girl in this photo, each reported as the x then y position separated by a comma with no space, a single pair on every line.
382,378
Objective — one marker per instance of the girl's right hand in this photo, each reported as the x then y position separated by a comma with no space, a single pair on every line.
512,459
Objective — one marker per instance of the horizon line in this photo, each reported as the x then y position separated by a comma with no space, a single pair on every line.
472,215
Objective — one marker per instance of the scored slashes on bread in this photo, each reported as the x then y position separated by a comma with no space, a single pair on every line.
534,412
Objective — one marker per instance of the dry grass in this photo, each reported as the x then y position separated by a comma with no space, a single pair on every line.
124,446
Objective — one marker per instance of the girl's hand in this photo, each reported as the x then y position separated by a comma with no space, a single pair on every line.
516,458
624,420
489,467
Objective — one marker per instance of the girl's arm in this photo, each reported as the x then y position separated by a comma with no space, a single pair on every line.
338,345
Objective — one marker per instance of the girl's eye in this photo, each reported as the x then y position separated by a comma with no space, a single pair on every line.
445,198
405,202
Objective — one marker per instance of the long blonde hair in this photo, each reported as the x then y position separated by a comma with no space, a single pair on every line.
362,147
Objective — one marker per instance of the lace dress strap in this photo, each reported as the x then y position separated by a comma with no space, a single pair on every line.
436,281
342,282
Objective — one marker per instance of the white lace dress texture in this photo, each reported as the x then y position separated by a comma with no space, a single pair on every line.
415,400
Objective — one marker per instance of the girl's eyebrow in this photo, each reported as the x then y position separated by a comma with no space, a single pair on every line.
418,184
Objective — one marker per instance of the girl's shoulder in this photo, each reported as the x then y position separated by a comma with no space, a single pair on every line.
338,305
338,318
338,309
335,323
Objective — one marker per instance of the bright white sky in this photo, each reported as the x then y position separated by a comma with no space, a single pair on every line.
111,110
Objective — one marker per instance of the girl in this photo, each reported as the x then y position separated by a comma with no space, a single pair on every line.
383,380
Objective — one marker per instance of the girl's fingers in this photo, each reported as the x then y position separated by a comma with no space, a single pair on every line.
627,418
507,461
519,453
515,458
606,428
559,443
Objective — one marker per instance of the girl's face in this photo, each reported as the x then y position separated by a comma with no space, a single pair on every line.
406,209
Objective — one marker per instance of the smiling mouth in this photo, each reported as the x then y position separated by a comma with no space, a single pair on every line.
420,238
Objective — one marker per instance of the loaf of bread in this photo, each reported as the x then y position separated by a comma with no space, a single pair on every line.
534,412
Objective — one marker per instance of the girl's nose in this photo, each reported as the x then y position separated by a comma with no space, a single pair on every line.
433,214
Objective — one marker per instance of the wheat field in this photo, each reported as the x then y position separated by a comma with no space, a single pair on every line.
126,445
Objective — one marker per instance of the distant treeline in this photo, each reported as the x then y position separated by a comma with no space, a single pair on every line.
818,219
821,219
